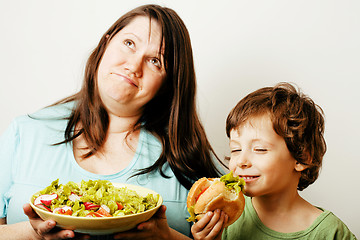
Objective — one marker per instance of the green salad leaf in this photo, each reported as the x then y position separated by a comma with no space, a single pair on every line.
192,217
233,182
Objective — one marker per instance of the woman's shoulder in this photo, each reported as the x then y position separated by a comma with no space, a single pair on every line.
58,111
149,138
53,112
55,117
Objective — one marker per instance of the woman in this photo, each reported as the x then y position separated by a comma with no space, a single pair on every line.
134,120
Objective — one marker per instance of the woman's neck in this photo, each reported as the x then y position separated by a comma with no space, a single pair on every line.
117,151
119,124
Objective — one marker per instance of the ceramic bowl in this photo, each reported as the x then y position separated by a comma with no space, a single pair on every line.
102,225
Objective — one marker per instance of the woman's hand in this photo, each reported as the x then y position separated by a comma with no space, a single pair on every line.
210,226
46,229
155,228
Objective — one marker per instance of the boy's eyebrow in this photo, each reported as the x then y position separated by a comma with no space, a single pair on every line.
252,141
233,142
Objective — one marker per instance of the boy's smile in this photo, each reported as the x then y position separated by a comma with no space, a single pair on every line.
249,179
261,157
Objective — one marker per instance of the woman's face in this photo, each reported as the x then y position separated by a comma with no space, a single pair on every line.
261,157
132,70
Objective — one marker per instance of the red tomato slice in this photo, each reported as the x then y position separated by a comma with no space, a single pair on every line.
201,193
93,214
103,212
120,206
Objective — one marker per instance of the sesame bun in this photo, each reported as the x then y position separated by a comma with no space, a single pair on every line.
209,194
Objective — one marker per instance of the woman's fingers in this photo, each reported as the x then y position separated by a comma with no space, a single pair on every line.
155,228
36,222
29,211
45,229
148,225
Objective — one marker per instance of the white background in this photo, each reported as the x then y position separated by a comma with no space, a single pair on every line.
239,46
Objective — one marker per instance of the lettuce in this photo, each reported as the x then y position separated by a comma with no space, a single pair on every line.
192,217
232,182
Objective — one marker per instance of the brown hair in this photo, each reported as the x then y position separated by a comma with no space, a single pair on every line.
295,117
171,114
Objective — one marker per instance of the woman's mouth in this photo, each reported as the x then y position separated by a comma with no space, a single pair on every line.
127,79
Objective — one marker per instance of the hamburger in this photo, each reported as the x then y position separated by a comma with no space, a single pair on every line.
209,194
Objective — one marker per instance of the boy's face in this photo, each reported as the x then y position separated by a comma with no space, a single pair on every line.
261,157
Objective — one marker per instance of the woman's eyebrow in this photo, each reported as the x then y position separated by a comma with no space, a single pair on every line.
134,35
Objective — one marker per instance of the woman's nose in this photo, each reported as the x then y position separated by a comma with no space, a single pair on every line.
134,65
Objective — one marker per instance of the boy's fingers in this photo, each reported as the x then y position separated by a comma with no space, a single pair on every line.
226,219
203,222
215,219
218,228
206,224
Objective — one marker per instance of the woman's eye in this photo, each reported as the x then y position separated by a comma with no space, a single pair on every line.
155,62
129,43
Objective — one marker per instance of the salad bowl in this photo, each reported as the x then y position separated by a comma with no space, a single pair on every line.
101,225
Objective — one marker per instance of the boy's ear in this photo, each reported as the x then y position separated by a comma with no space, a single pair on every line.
300,167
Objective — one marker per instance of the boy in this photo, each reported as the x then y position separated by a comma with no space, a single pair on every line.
277,146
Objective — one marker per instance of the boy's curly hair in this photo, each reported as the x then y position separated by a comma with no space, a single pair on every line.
295,117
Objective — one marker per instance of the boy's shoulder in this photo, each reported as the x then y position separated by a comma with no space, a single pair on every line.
249,226
329,225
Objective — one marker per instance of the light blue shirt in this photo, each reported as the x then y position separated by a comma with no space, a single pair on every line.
29,162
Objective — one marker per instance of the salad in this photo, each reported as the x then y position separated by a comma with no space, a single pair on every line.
93,198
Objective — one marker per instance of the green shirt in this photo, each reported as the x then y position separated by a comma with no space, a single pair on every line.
249,226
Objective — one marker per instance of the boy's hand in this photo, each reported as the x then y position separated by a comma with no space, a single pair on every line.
210,226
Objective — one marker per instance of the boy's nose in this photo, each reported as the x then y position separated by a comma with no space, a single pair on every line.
243,160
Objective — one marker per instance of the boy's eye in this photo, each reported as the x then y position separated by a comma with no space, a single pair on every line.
260,150
236,150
